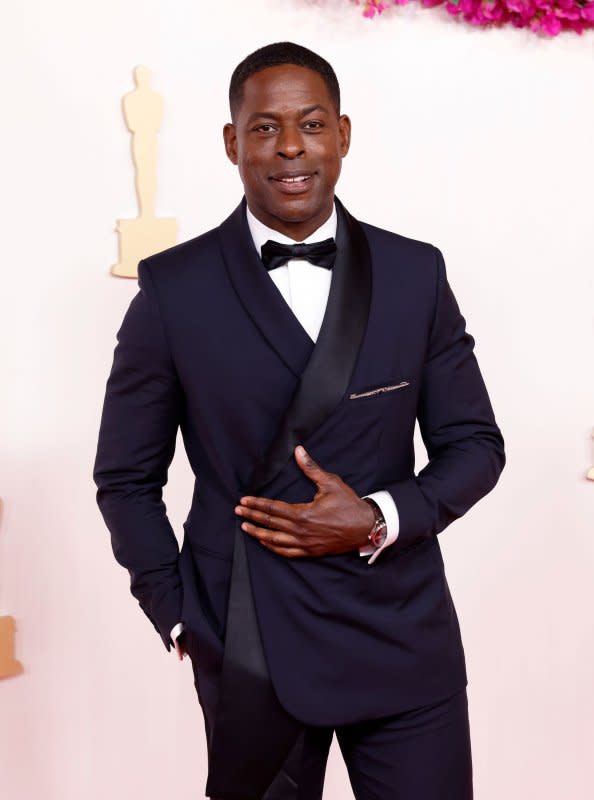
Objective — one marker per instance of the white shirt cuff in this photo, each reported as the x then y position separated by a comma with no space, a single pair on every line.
388,508
177,629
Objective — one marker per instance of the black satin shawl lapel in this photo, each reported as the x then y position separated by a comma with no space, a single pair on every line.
326,376
259,294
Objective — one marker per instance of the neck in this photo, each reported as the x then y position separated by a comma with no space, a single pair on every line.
298,230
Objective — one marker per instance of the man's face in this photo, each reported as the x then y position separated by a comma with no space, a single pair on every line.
288,142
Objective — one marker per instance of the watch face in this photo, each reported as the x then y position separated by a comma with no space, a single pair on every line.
378,536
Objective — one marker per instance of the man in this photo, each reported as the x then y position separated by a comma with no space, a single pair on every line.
293,325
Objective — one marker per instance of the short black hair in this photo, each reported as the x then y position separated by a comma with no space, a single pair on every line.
273,55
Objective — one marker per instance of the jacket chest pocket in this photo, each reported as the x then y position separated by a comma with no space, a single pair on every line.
361,414
381,405
377,391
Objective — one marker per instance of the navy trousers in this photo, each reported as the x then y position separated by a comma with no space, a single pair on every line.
420,754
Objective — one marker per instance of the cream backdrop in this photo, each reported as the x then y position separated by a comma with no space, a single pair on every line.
480,142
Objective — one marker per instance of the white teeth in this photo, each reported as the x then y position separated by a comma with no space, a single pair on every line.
298,179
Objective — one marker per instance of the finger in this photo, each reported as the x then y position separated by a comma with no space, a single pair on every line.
270,537
313,470
276,508
272,543
266,519
288,552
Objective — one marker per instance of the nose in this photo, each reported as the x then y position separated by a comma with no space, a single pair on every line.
290,143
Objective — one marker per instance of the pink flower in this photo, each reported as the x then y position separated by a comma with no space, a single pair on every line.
550,24
373,7
548,17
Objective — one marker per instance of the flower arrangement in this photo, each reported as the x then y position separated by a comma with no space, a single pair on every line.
548,17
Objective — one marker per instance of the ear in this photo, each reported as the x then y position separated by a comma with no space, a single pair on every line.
230,139
344,134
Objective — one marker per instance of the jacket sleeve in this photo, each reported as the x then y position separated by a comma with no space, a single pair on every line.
137,436
464,444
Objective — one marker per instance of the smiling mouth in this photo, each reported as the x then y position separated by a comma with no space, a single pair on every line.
290,180
293,184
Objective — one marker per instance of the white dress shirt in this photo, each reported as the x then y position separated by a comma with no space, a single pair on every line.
305,288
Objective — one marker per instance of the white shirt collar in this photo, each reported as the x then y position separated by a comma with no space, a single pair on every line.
261,233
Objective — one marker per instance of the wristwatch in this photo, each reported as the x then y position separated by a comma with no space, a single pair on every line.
379,531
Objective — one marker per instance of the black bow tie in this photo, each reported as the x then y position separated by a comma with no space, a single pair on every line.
275,254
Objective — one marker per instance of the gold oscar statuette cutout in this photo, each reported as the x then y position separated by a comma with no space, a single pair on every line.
147,234
9,666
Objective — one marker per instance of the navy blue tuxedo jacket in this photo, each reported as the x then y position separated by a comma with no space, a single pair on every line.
209,345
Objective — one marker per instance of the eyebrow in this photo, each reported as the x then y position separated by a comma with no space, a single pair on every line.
271,115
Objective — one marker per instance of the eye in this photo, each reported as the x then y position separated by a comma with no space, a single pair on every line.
314,123
264,125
